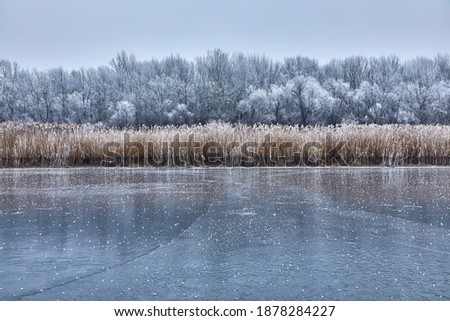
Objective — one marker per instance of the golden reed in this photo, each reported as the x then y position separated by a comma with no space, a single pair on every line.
221,144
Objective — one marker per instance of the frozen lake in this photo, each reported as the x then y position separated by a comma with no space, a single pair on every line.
225,234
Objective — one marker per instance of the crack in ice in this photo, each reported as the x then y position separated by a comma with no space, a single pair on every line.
109,268
409,245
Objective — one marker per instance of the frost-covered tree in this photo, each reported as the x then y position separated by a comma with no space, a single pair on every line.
367,105
442,63
123,114
309,100
423,104
181,73
216,87
355,70
59,79
232,88
41,88
8,90
263,72
333,70
341,94
280,97
301,66
385,72
179,115
257,108
102,93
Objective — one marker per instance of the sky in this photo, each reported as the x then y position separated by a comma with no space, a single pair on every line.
89,33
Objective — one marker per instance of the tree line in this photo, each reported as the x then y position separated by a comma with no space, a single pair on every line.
234,88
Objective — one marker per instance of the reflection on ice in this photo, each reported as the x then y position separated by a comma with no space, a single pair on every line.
267,234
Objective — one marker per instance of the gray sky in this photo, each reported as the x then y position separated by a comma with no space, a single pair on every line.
50,33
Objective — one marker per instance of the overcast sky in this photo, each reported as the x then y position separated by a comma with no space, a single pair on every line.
50,33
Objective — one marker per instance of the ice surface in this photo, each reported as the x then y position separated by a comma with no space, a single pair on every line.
213,234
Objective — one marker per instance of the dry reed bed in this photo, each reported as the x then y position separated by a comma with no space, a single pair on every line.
58,145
